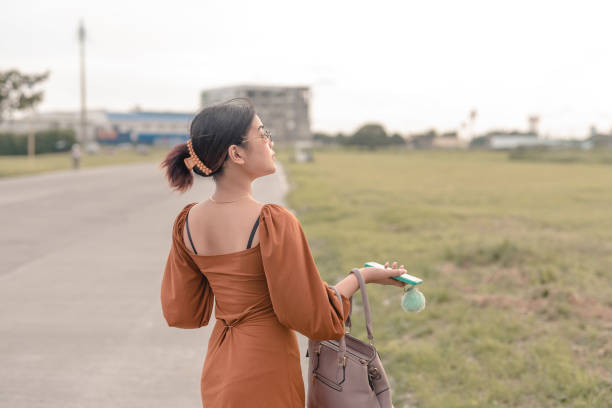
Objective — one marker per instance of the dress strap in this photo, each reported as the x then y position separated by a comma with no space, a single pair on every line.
253,233
189,233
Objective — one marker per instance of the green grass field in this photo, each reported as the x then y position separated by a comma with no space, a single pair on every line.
22,165
596,156
516,259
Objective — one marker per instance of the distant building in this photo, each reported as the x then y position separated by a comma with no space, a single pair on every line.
500,140
599,140
284,111
151,128
60,120
136,127
422,140
432,140
449,140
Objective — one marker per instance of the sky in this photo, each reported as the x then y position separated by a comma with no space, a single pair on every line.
408,65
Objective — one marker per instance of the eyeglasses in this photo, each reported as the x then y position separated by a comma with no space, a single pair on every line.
266,135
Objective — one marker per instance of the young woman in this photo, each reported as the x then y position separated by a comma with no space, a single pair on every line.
262,293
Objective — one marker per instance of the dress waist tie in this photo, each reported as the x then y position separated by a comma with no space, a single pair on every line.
249,316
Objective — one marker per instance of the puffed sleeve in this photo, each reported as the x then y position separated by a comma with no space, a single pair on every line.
186,296
301,300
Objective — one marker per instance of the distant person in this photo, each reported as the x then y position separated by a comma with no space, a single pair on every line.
76,155
262,293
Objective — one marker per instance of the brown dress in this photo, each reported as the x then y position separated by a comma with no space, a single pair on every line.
261,294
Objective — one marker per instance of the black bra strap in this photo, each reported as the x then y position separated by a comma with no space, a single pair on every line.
253,233
189,233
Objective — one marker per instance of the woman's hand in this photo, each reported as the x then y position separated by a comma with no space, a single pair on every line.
383,276
349,285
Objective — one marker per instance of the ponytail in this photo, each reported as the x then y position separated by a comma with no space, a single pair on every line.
179,176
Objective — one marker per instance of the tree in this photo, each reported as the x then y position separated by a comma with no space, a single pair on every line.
479,141
371,135
424,140
18,91
323,137
397,139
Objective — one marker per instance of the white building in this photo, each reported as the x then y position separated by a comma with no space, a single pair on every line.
449,140
140,127
61,120
499,141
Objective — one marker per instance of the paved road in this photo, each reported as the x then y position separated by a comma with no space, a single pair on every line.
82,255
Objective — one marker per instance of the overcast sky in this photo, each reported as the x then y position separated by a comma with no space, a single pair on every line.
411,67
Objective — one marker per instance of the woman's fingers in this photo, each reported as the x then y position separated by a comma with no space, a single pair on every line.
391,272
394,265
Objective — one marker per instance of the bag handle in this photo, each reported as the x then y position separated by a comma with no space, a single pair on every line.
366,308
366,305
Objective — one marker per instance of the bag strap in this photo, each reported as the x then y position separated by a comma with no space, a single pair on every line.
366,306
341,355
342,341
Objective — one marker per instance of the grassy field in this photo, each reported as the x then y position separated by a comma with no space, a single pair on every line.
516,259
595,156
42,163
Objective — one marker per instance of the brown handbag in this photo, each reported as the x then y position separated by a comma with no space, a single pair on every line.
347,372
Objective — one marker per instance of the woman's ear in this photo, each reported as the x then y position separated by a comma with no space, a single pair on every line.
236,154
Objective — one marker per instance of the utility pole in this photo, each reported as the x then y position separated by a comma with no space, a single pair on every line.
31,137
473,115
83,133
534,121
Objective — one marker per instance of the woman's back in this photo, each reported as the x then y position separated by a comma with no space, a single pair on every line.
222,228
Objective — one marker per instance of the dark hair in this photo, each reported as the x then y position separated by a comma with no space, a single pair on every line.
212,131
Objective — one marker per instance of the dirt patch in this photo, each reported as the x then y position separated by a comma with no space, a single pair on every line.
587,308
508,302
590,309
448,268
507,276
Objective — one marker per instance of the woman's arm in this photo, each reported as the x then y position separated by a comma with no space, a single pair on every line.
349,285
